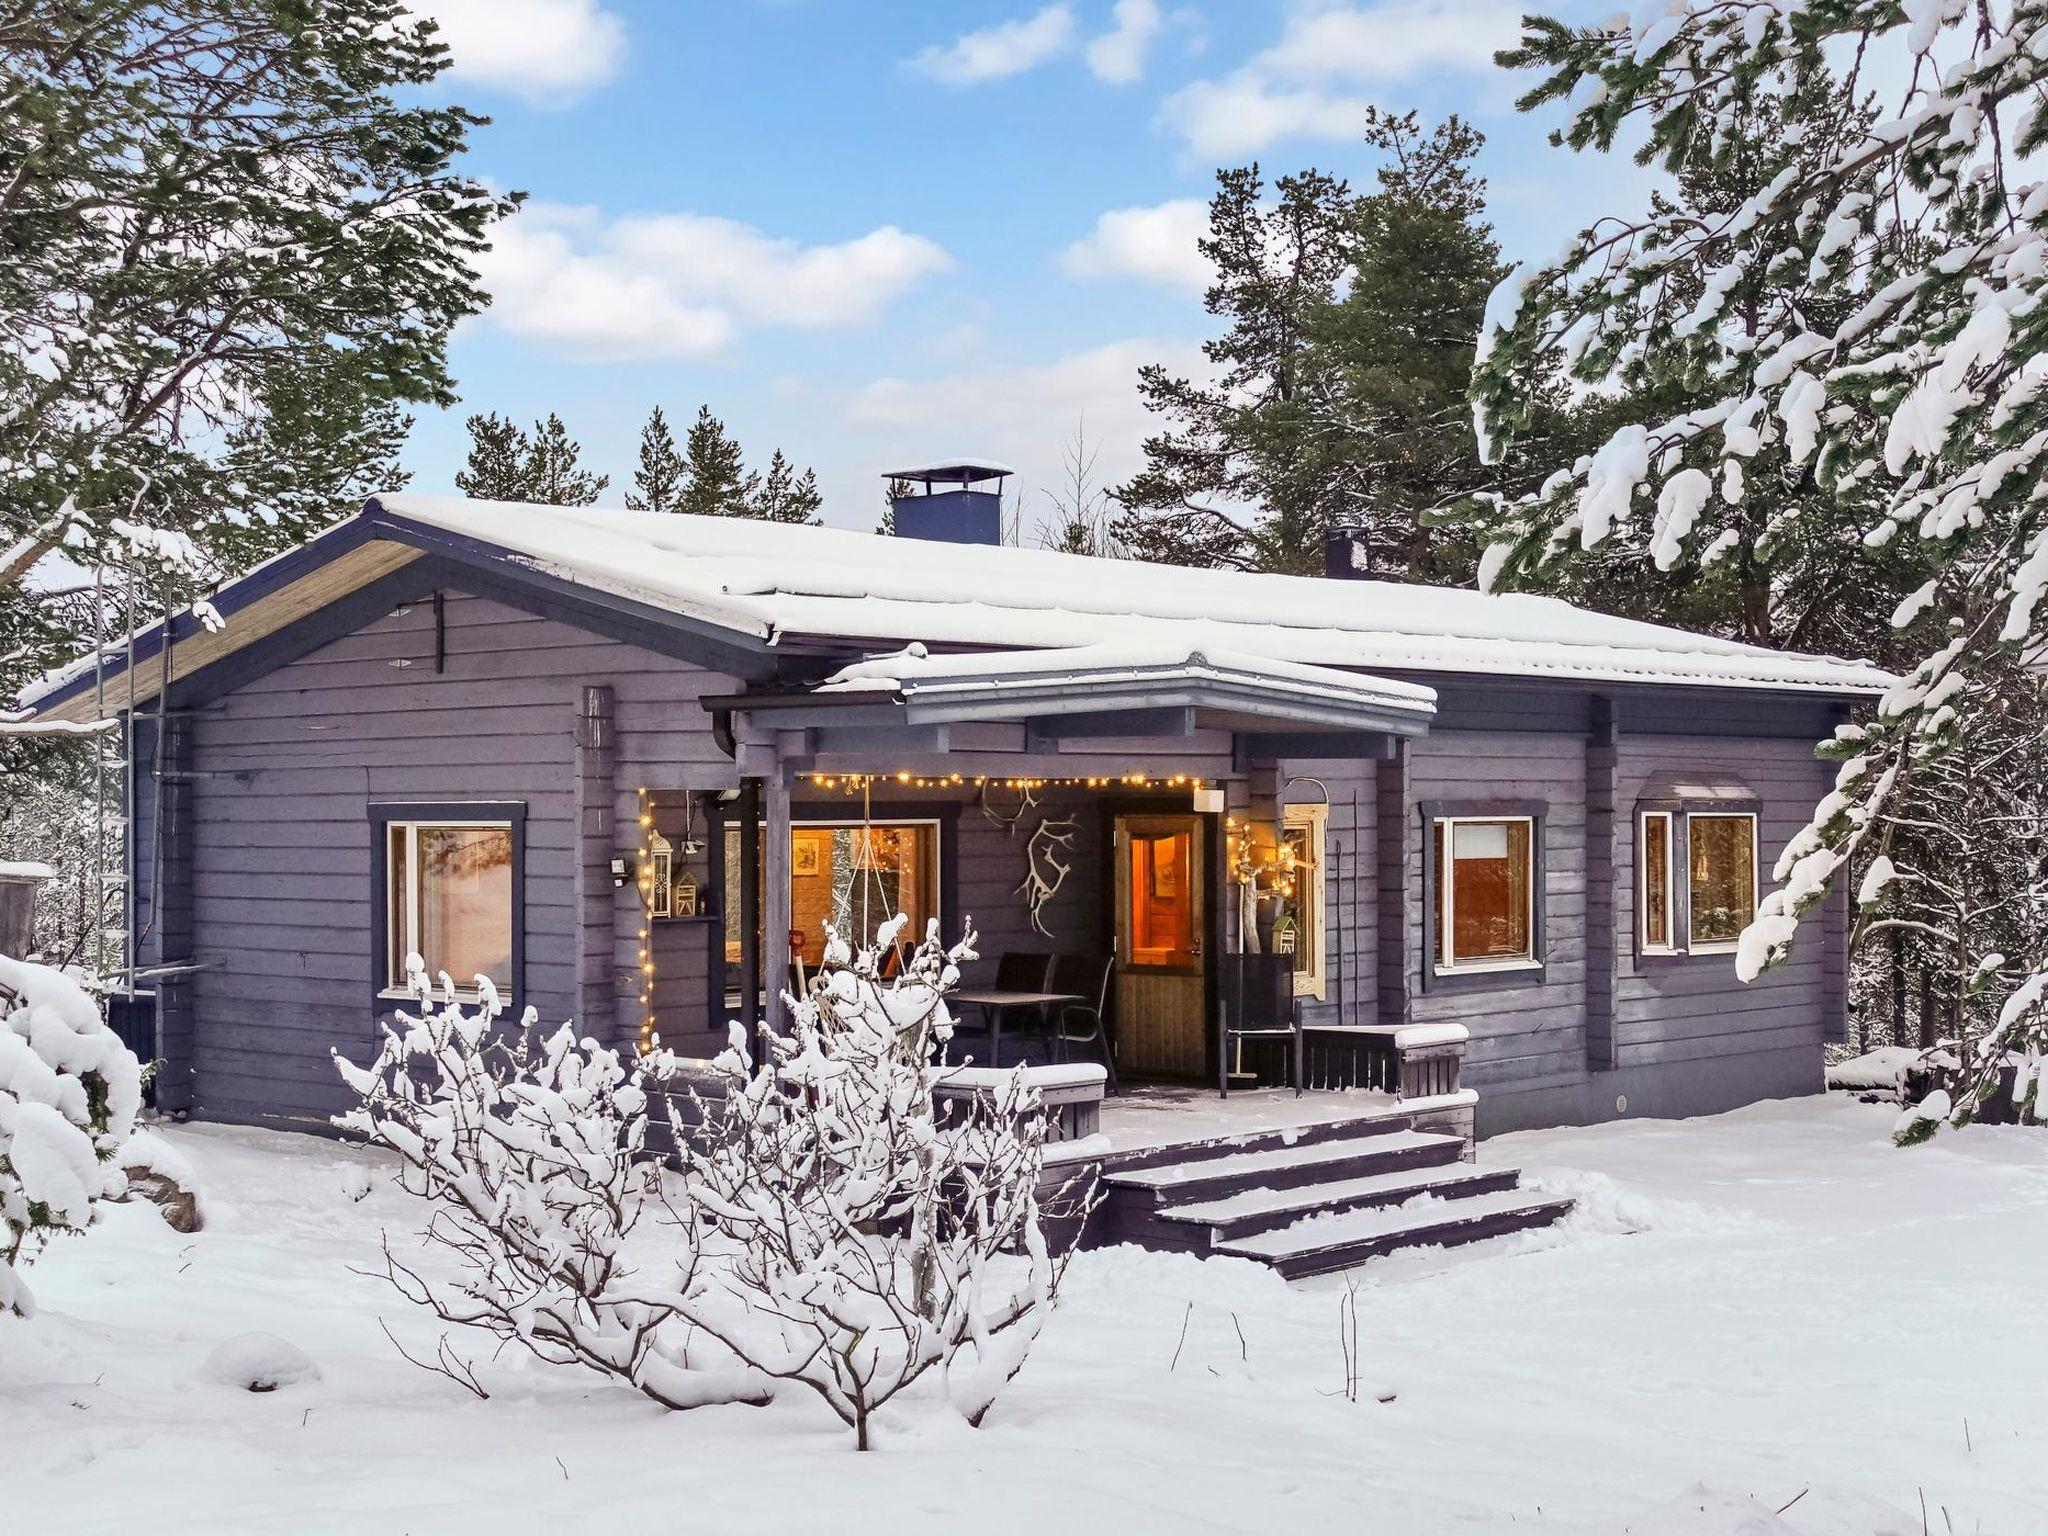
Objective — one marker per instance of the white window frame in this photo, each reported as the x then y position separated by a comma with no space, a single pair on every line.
1696,946
1650,946
1447,923
1312,981
397,901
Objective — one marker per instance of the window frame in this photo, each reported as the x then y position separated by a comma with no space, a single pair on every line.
1315,817
720,816
507,814
1487,975
1644,943
1694,945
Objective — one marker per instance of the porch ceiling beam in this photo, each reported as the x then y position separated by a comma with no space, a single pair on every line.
1269,746
879,741
1169,721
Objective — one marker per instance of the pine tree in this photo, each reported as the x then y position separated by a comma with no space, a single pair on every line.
718,483
499,464
787,497
1239,476
553,477
1392,358
1867,327
217,214
658,482
894,491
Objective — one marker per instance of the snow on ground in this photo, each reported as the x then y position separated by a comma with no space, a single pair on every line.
1769,1310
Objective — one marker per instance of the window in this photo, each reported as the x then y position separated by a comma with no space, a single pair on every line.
1722,850
853,877
1301,918
1653,862
1163,919
448,899
1485,892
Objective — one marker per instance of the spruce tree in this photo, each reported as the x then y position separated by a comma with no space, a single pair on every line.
785,496
553,475
1865,327
658,481
717,484
499,464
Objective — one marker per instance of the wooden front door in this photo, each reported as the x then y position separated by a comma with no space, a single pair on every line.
1161,918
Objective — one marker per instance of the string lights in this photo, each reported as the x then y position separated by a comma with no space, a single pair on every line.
1268,868
644,887
856,783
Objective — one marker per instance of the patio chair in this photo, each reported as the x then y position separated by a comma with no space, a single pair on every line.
1017,970
1257,1004
1085,1023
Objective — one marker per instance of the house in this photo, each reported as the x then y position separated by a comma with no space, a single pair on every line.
621,761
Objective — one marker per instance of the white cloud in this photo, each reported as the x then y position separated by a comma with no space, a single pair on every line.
544,50
1153,245
1023,415
684,284
1118,55
1242,114
1309,83
993,53
1395,40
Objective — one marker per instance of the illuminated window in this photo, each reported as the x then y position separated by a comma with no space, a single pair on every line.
854,878
1300,925
1653,861
1485,892
1163,914
449,900
1722,850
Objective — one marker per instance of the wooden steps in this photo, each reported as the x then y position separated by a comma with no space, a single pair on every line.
1314,1199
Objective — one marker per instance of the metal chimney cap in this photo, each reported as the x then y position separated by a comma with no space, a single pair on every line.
952,471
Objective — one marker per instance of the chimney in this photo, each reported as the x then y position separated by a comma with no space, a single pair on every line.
948,501
1346,555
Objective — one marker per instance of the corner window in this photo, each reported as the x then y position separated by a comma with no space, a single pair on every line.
1485,892
1722,860
1654,864
448,899
1299,927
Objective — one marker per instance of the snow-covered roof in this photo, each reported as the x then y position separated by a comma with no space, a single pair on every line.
774,581
1143,672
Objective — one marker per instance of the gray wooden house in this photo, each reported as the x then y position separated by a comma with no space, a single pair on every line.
629,764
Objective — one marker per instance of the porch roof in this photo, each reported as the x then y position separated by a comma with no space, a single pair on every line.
1145,686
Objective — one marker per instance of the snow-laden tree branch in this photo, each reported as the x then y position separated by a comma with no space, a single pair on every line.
530,1153
69,1093
823,1225
869,1241
1870,323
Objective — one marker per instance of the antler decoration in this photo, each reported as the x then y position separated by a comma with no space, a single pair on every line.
1046,871
1027,802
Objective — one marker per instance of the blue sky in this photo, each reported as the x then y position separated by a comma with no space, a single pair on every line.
875,232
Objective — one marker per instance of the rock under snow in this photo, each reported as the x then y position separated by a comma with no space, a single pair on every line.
259,1362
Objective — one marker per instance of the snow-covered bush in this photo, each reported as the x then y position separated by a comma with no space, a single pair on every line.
530,1152
863,1241
69,1093
823,1226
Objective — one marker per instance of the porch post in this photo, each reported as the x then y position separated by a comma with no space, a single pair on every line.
750,907
776,925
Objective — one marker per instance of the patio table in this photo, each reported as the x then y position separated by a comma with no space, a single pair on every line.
994,1002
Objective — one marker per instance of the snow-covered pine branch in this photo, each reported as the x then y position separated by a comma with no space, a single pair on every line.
865,1241
69,1093
530,1153
1869,323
